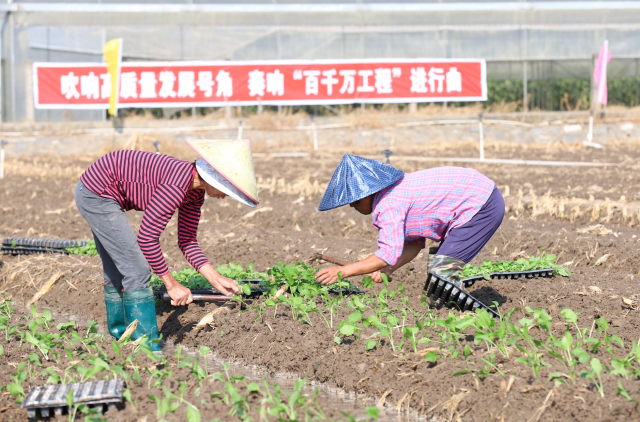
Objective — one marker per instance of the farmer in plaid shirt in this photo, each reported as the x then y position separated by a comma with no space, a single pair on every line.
456,206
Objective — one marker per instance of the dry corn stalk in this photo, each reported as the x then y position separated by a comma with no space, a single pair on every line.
208,318
45,288
252,213
602,259
597,229
452,404
130,330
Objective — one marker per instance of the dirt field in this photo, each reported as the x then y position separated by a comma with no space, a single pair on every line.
587,216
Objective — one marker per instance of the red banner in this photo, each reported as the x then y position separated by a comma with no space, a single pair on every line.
287,82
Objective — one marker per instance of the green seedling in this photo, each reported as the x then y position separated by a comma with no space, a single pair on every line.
87,373
373,412
349,327
410,333
595,374
572,318
165,405
622,392
15,388
6,307
88,249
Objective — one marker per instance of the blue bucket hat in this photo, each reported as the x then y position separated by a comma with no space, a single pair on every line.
356,178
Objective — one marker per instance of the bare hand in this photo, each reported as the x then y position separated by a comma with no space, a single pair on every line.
180,295
377,275
329,275
224,285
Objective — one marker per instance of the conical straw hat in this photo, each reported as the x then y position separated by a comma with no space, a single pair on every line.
232,159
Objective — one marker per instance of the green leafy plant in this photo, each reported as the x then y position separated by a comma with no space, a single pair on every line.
192,279
88,249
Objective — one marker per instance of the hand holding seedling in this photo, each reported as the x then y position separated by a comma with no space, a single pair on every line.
224,285
377,275
179,294
368,265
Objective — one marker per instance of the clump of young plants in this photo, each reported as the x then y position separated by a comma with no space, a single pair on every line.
192,279
88,249
301,280
487,268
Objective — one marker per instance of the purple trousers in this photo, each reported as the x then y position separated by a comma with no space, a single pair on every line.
466,241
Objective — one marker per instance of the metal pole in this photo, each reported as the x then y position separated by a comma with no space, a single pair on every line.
12,59
525,88
603,74
2,144
103,113
481,137
4,22
594,89
240,130
157,145
590,134
315,134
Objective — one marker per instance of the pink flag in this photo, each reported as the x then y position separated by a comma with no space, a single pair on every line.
600,73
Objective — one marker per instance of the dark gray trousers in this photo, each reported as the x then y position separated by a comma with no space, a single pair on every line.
124,265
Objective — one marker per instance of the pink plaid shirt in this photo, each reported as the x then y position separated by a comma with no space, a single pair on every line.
426,205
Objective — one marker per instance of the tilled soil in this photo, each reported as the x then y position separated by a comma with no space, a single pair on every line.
140,405
290,229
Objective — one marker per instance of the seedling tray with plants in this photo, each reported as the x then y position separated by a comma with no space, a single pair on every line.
534,267
31,245
446,293
300,279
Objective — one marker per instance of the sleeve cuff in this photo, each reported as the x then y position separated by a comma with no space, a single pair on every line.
198,266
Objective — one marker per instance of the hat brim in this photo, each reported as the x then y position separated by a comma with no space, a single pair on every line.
218,181
213,151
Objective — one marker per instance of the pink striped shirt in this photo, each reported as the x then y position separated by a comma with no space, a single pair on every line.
158,185
426,204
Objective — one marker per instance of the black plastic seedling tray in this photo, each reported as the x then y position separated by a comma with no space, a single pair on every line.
546,272
10,250
449,295
50,400
36,245
37,242
254,290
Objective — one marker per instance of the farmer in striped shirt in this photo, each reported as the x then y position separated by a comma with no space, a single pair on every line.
458,207
159,185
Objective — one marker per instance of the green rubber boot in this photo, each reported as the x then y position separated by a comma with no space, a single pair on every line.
447,268
115,311
140,305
